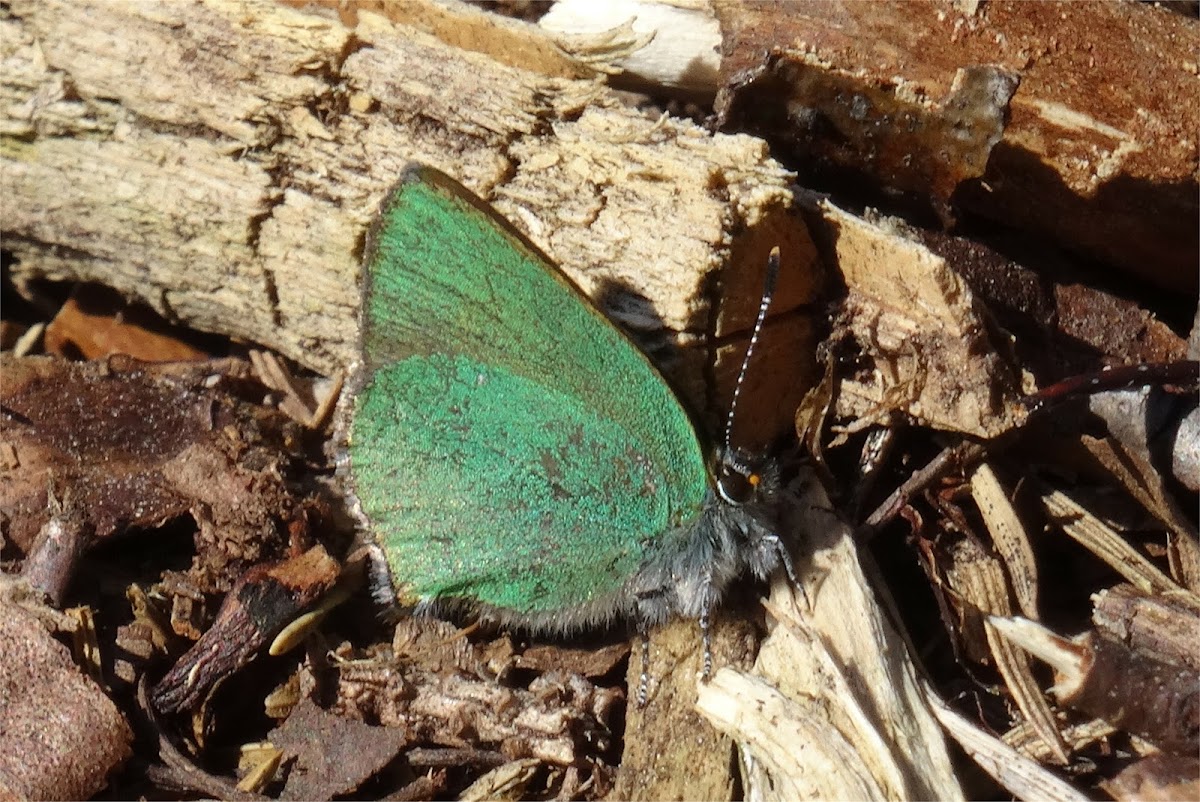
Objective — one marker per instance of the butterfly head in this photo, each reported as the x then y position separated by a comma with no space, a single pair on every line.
743,478
739,476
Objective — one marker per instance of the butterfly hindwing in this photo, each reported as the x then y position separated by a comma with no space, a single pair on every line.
509,446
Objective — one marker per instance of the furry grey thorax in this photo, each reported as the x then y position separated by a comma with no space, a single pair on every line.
692,571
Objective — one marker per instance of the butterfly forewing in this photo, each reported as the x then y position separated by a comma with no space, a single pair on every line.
509,445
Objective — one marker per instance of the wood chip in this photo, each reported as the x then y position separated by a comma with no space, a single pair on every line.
922,335
1008,536
1106,544
1023,776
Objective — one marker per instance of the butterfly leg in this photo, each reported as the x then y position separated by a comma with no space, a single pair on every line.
648,607
780,556
773,543
706,605
644,675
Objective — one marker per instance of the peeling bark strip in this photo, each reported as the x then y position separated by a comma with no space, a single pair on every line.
224,171
1137,693
1098,147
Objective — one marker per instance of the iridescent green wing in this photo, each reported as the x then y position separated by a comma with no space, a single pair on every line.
509,446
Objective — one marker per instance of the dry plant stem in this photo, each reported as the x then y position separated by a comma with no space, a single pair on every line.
1025,739
1185,373
948,459
1026,778
980,583
1109,546
1008,536
263,602
51,563
503,782
426,757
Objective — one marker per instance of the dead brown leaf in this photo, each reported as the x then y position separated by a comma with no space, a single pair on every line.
99,448
332,756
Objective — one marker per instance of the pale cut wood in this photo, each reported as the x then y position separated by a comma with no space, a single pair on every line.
834,674
225,170
683,48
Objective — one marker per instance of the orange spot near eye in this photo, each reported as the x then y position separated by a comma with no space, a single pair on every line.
755,479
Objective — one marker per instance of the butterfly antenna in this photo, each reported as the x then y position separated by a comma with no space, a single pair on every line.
772,278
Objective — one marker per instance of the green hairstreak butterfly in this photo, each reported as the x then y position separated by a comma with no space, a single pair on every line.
514,454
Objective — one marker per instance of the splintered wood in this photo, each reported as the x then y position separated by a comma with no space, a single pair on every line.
239,206
835,674
930,350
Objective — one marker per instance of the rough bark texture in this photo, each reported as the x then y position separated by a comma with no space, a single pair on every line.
1099,145
221,161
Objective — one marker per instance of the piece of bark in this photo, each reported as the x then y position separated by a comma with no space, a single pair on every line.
333,756
229,182
1157,778
927,347
98,448
1163,624
1133,691
1060,327
1098,147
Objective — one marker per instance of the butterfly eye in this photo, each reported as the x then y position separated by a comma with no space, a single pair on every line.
736,483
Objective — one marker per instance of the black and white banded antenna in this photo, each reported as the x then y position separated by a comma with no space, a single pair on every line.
727,453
